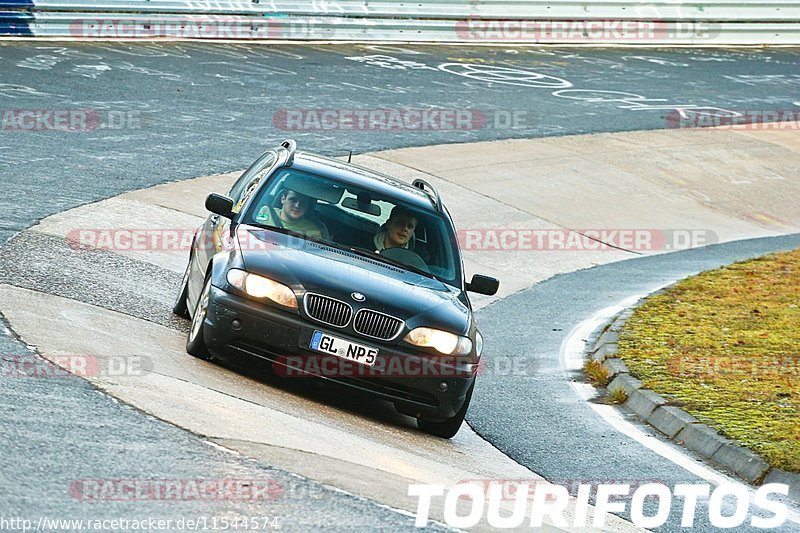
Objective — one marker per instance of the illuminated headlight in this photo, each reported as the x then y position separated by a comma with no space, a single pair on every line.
443,341
260,287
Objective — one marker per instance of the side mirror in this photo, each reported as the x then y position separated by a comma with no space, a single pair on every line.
483,285
220,205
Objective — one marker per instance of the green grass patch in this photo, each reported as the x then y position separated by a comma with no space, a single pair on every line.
725,346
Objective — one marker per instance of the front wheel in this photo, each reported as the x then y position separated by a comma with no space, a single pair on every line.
195,343
447,428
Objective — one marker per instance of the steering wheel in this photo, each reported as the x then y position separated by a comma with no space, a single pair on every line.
407,257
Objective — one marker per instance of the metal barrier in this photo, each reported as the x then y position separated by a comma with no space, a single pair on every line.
478,21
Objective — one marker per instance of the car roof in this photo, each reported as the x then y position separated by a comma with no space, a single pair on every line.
355,175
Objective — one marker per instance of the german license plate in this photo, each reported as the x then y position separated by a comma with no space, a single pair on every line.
325,343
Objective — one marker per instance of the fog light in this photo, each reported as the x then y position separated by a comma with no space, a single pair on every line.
443,386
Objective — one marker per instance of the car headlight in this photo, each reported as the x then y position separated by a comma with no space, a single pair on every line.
260,287
443,341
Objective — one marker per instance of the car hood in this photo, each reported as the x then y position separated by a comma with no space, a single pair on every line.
308,266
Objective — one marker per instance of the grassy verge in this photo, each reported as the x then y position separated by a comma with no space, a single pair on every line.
725,347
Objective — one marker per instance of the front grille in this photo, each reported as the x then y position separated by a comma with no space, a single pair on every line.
328,310
377,325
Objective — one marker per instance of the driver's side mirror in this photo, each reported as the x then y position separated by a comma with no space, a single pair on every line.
483,285
220,205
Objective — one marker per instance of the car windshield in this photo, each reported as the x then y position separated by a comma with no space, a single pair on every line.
358,219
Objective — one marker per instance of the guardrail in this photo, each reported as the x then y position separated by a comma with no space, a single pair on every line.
732,22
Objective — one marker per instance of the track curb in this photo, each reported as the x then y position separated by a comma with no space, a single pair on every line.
675,423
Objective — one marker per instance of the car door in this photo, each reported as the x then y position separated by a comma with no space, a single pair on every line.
214,235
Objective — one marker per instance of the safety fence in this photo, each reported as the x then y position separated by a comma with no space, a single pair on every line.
711,22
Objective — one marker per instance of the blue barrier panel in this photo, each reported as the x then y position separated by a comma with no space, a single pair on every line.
15,23
16,3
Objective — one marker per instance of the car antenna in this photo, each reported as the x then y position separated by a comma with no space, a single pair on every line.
349,157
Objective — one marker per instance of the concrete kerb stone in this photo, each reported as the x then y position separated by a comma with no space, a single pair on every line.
609,336
702,439
606,351
742,461
670,420
615,366
626,382
644,401
674,422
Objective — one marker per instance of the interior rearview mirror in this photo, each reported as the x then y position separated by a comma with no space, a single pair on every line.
483,285
220,205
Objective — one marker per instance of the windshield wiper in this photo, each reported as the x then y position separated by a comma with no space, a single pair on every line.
384,259
303,236
289,232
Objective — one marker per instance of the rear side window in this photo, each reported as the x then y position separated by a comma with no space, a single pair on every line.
250,179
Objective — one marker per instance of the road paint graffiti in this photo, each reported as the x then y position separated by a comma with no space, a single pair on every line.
713,58
528,78
520,77
90,71
253,69
390,62
638,102
766,79
505,75
10,90
395,50
656,60
124,65
40,62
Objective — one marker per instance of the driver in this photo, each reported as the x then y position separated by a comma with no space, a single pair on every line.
399,230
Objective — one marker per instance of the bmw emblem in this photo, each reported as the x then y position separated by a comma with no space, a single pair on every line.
357,296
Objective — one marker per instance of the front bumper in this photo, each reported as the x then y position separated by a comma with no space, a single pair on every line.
419,384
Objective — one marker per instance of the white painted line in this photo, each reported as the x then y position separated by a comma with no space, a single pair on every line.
572,347
221,447
572,357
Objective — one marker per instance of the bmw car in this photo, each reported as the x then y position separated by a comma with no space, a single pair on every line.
329,270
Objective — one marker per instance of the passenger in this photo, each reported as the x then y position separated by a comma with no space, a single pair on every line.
294,208
399,230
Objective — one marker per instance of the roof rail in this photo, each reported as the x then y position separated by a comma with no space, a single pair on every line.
291,147
431,191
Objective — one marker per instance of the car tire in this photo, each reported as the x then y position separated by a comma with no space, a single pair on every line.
180,308
447,428
195,343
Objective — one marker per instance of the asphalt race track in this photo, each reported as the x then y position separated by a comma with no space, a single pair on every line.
515,412
170,112
200,109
